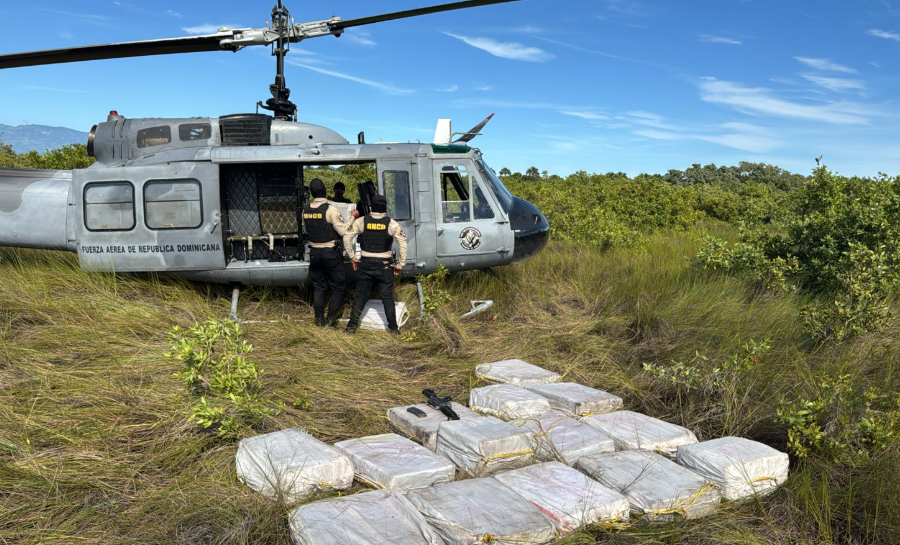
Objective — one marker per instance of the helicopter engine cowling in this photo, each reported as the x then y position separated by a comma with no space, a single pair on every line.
34,209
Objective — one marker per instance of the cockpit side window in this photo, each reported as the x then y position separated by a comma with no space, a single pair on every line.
194,131
455,194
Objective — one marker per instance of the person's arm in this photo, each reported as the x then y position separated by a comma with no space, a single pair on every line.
334,218
354,230
397,232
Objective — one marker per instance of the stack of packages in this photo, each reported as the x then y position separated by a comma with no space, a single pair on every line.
545,457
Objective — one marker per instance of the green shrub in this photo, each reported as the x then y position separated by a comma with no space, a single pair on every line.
222,382
848,425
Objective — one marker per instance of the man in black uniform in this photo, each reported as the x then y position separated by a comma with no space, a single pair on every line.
324,227
339,189
371,190
377,233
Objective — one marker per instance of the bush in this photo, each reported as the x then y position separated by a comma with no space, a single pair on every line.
848,425
222,382
839,239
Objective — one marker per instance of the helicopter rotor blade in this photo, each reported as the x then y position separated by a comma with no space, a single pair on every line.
166,46
414,13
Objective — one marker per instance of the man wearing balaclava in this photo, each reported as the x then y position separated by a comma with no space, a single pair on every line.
377,233
324,227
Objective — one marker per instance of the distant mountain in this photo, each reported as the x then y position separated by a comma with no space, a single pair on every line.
24,138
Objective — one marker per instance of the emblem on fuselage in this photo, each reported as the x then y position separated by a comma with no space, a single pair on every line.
471,238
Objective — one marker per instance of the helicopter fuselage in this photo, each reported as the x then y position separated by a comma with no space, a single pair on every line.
220,200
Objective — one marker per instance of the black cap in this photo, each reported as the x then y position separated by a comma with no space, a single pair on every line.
317,188
379,204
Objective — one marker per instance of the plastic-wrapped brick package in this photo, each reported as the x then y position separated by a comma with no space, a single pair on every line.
379,517
559,437
507,402
577,399
477,511
657,488
631,431
396,463
483,446
423,430
567,496
742,468
291,465
515,372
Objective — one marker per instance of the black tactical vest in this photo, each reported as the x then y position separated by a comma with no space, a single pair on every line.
317,227
375,238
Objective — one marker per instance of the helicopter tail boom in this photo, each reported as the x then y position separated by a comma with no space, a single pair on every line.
34,208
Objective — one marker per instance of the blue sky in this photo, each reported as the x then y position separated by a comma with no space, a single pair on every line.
596,85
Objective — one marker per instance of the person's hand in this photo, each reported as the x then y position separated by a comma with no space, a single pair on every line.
354,213
397,269
355,263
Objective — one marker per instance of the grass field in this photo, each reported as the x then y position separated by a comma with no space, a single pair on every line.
95,445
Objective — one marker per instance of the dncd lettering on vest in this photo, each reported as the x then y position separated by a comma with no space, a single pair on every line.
376,227
375,238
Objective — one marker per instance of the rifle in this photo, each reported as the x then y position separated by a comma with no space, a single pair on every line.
441,403
364,200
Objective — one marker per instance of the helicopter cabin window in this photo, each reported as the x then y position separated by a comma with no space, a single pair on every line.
109,206
481,205
396,191
154,136
194,131
172,204
455,194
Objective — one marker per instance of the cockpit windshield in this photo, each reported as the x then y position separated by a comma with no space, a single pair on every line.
504,197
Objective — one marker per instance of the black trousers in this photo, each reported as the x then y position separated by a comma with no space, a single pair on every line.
374,272
326,269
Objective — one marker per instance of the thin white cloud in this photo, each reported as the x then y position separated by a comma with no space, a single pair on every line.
384,87
825,65
742,136
720,40
174,13
51,89
583,114
66,35
88,16
485,87
448,89
359,37
875,64
648,119
618,22
836,84
506,50
762,101
884,34
207,28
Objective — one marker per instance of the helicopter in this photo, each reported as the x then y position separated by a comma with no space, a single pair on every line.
220,199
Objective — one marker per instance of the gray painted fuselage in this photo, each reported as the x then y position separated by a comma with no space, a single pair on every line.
116,214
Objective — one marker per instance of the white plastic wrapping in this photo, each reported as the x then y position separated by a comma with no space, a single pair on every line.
515,372
483,446
631,431
577,399
657,488
559,437
507,402
567,497
740,467
374,318
396,463
379,517
478,511
291,465
423,430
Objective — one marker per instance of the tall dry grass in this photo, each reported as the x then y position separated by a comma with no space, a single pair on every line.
95,446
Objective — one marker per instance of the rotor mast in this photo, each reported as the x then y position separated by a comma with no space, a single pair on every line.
280,104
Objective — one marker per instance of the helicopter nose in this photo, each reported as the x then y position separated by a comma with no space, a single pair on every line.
530,227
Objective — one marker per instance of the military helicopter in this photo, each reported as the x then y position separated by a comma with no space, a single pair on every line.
219,199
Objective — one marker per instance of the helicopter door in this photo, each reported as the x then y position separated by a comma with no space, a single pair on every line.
395,183
469,225
149,218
